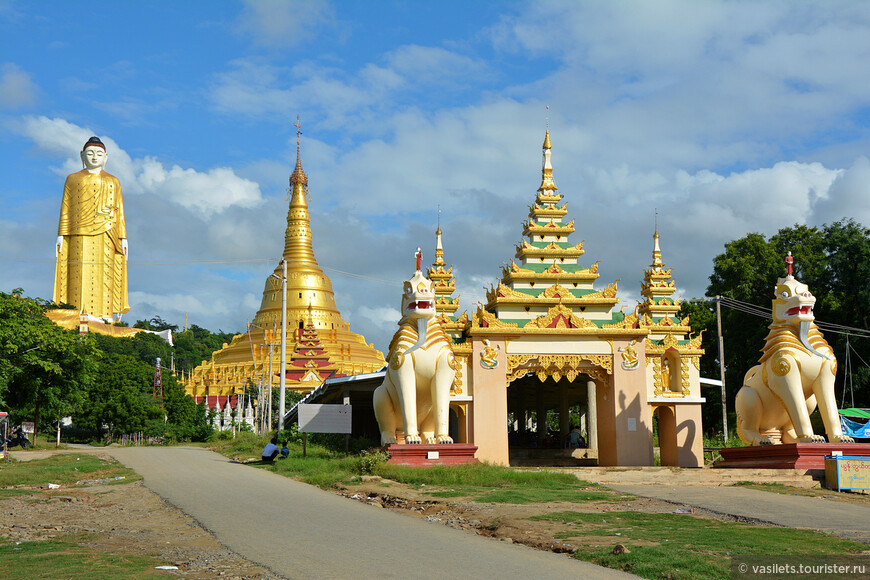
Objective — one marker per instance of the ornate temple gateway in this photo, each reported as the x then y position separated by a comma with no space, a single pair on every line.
320,343
548,341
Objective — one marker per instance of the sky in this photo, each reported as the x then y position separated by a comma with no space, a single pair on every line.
709,119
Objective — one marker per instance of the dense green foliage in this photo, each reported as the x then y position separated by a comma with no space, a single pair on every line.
44,370
833,260
104,383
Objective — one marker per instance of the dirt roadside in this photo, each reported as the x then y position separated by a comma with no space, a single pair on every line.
124,518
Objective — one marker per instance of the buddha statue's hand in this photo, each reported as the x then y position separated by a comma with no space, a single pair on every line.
58,246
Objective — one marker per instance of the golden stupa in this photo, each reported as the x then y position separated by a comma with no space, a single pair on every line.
254,357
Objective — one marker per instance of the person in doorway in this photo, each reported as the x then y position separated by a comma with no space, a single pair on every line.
270,451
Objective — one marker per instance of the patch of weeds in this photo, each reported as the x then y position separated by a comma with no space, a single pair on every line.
64,468
7,493
65,559
370,459
448,493
524,496
697,547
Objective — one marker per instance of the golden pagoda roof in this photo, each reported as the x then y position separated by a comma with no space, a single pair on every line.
310,299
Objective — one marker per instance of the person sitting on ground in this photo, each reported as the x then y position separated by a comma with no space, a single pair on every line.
270,452
285,451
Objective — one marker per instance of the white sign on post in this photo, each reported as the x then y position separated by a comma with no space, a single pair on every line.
324,418
27,427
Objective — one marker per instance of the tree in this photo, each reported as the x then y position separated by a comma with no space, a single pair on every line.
119,397
44,369
156,324
834,261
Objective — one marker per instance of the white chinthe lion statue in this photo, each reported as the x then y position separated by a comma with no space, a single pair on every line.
795,374
415,394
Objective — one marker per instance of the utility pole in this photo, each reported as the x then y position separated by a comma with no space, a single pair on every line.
283,380
722,369
271,355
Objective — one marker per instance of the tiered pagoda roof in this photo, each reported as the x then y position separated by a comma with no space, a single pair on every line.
310,363
544,286
658,314
444,283
658,311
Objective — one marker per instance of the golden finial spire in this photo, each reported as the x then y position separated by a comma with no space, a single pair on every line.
298,175
439,249
547,182
657,251
297,237
547,136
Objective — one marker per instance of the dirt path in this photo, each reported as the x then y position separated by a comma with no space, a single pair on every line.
120,519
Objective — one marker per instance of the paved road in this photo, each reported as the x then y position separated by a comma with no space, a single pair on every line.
299,531
841,519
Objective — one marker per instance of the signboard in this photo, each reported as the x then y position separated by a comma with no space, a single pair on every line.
27,427
844,472
324,418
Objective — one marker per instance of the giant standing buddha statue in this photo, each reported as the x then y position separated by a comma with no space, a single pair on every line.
91,271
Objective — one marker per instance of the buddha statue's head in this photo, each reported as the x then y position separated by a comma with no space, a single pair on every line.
94,154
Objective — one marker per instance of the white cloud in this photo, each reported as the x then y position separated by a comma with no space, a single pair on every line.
281,24
17,89
848,196
205,193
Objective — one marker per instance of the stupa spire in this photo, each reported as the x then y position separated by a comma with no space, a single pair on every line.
297,236
547,183
444,285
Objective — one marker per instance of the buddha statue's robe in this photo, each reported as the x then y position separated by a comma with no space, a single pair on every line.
91,271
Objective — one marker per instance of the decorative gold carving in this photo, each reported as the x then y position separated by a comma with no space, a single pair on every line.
456,365
629,357
486,319
556,291
489,355
630,321
780,364
684,376
503,291
397,360
566,319
558,366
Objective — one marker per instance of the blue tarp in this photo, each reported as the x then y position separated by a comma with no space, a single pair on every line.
855,429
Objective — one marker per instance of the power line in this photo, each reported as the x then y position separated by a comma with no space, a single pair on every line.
762,312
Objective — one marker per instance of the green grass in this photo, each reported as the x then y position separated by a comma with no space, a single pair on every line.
684,546
51,559
63,468
484,482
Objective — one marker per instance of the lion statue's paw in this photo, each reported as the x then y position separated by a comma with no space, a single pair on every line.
842,439
387,439
445,439
812,439
413,439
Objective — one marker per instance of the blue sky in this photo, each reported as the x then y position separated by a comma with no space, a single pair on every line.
728,117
